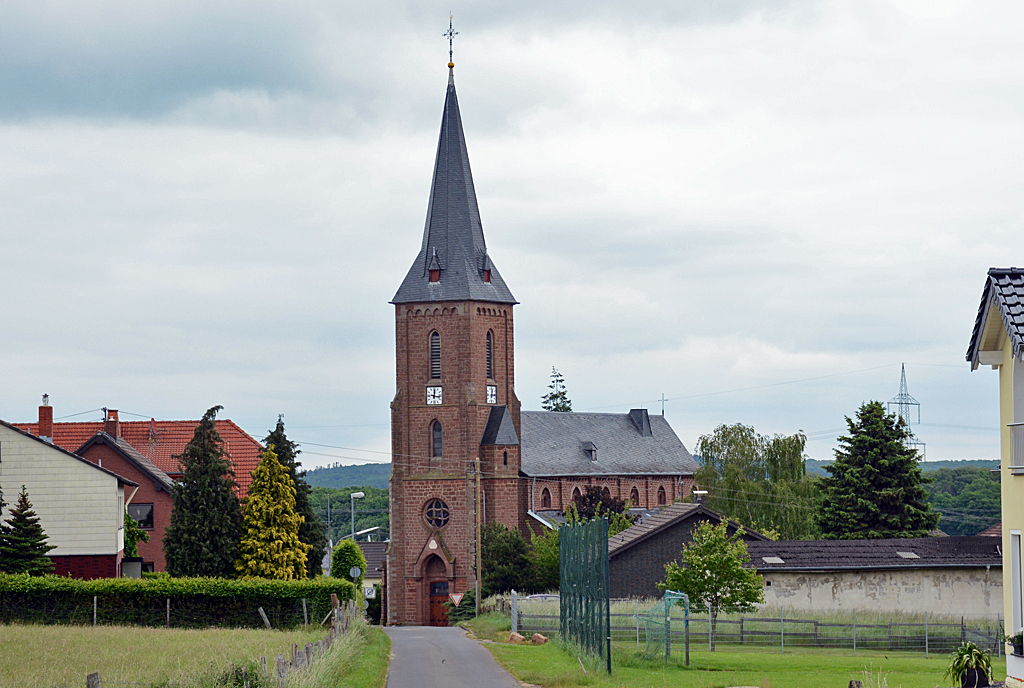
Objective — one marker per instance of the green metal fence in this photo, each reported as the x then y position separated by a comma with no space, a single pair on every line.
584,602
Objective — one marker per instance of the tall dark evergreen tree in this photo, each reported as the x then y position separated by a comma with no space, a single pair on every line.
206,522
312,531
24,548
875,487
557,399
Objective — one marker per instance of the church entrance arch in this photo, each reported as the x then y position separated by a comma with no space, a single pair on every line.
436,584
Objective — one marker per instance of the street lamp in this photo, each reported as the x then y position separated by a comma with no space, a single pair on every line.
355,496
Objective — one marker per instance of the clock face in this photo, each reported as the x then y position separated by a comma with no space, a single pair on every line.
492,394
433,395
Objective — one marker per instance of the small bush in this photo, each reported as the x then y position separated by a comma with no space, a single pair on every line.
195,602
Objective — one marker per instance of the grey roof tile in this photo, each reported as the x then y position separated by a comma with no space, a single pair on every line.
453,238
552,444
1004,289
831,555
500,429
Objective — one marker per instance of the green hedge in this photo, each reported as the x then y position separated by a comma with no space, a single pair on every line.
194,602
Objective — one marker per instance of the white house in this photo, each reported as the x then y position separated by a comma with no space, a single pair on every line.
80,505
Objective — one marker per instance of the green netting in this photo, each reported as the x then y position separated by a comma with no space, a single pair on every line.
658,622
584,612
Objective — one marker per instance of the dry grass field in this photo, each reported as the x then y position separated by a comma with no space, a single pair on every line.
37,656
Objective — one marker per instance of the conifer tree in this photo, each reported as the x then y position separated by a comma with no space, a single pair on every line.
24,547
875,487
270,546
312,532
556,399
202,538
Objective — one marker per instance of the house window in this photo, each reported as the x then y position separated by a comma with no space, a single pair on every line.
435,356
661,495
435,445
634,497
490,359
575,493
545,499
435,275
436,513
487,275
142,514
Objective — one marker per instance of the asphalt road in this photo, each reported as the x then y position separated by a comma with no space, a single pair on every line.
434,657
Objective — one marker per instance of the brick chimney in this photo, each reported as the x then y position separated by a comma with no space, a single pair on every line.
45,429
111,424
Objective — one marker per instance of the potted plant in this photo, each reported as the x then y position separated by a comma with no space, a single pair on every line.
1018,643
970,665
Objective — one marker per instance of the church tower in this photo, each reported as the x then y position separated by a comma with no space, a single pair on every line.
455,418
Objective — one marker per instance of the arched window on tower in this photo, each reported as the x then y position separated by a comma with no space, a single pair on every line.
435,445
504,458
634,496
661,495
435,356
545,499
490,356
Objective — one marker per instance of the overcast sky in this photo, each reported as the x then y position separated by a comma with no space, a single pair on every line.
213,202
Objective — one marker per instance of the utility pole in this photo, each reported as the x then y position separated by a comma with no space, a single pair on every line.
479,538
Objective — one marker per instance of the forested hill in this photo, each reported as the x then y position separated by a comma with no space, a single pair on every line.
817,467
372,474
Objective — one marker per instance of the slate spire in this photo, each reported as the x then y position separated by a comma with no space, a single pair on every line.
453,251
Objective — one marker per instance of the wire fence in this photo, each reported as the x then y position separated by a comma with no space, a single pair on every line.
786,629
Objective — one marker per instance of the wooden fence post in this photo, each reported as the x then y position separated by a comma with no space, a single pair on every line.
305,614
741,630
93,680
263,664
295,654
245,677
168,612
282,671
94,610
266,621
309,654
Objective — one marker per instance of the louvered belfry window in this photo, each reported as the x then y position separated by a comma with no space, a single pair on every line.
435,356
490,358
435,431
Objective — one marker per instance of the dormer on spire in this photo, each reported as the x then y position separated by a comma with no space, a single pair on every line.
453,264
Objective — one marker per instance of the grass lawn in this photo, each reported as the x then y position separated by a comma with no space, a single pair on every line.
357,660
37,656
550,665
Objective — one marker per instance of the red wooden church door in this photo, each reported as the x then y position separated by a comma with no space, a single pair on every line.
438,594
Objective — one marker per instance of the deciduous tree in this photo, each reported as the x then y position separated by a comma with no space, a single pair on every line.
202,538
506,560
759,481
312,531
346,555
133,535
270,545
712,573
875,488
545,559
24,546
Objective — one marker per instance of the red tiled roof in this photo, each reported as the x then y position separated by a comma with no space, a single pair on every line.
993,531
168,440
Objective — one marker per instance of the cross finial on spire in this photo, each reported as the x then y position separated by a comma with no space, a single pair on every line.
450,34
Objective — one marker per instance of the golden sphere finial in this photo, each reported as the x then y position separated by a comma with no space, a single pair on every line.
451,65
